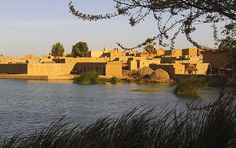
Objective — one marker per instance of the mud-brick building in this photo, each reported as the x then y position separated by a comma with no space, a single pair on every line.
107,69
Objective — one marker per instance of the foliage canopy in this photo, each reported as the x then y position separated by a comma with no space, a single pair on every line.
228,46
80,49
149,48
178,16
57,50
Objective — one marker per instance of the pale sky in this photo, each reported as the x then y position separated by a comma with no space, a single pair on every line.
33,26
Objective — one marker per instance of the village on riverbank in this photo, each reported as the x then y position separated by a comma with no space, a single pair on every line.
160,65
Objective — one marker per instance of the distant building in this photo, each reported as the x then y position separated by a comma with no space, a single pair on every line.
95,53
107,69
159,52
113,62
63,66
191,52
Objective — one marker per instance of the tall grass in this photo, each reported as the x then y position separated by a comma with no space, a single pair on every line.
210,126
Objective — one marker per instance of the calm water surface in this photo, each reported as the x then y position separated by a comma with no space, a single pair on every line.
30,105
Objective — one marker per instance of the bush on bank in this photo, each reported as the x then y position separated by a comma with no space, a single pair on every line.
189,87
115,80
86,78
92,77
210,126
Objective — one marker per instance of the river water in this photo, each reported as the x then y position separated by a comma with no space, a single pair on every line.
26,106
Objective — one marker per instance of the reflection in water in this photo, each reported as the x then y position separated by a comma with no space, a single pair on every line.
29,105
49,81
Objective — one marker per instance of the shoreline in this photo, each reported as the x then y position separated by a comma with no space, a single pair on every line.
36,77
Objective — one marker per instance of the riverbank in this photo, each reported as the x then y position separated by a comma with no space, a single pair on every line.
36,77
217,80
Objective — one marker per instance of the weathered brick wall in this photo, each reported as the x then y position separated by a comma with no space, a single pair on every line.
50,69
114,69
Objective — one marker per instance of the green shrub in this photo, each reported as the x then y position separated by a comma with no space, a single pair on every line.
114,80
86,78
189,87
